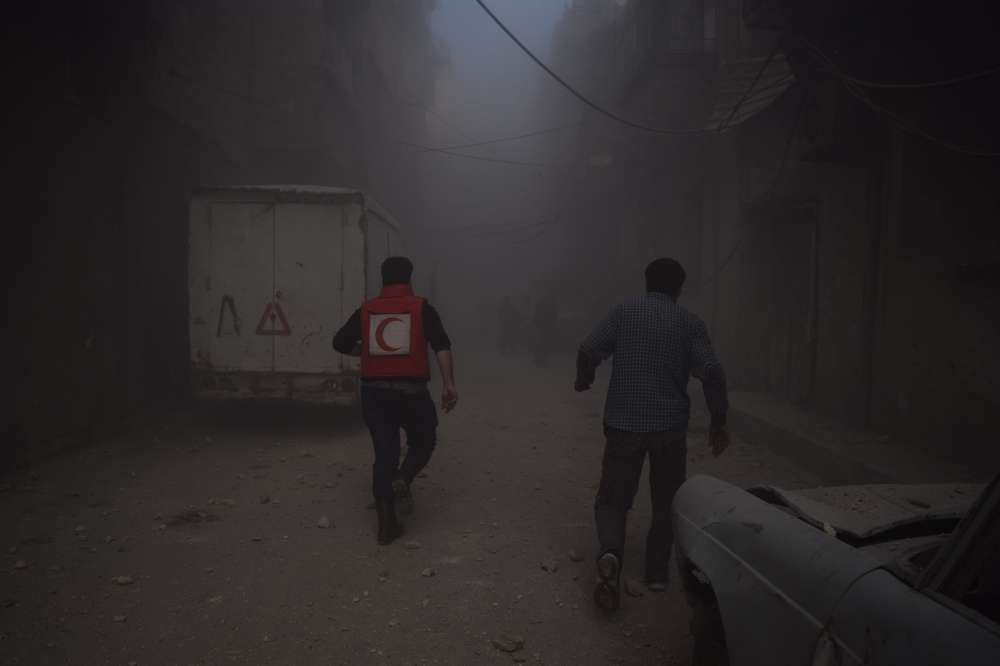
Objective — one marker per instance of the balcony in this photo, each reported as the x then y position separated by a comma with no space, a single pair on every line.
669,40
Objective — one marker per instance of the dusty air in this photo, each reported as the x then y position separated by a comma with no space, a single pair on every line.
565,332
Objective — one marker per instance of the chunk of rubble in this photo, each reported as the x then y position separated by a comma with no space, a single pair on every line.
550,565
509,642
634,588
323,522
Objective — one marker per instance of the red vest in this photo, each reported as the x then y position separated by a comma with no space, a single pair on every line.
392,335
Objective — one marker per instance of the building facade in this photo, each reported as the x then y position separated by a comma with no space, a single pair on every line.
118,110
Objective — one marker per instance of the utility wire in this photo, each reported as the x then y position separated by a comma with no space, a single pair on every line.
893,119
509,138
172,71
578,95
919,86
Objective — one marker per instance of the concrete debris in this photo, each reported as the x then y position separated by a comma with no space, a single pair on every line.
124,580
828,528
323,522
519,658
427,573
634,588
256,538
412,545
509,642
575,556
627,634
119,618
230,502
550,565
20,564
214,600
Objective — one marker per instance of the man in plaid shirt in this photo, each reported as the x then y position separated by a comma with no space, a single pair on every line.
656,345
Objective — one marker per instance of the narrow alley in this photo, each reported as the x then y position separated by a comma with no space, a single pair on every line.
198,540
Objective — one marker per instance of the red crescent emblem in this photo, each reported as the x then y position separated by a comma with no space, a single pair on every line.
380,332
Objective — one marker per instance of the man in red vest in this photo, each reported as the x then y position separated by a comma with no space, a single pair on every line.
391,333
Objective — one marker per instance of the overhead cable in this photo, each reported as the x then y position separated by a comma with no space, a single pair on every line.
509,138
919,86
581,97
888,116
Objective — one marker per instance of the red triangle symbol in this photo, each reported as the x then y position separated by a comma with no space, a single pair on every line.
285,330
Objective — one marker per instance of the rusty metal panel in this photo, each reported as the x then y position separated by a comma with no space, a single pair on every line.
242,284
307,266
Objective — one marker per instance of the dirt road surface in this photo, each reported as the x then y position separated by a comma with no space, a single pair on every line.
198,541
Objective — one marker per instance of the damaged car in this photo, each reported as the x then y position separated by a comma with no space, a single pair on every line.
873,574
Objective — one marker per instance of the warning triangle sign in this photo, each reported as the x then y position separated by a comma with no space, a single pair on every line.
273,313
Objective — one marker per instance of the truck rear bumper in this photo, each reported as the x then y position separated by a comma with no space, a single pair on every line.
305,387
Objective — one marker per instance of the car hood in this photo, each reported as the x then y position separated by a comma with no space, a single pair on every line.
866,511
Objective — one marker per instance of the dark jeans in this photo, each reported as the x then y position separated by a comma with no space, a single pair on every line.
624,455
386,411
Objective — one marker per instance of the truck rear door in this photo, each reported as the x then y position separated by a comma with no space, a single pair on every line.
308,261
241,277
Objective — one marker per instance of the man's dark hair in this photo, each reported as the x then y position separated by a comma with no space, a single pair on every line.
396,270
665,276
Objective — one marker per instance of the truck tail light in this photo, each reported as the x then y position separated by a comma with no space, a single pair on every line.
347,385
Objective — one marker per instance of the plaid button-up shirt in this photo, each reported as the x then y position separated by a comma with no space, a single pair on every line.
656,345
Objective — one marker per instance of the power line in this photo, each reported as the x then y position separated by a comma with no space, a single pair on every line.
888,116
172,71
436,115
509,138
572,90
919,86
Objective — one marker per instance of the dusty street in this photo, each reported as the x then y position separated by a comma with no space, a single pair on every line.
199,541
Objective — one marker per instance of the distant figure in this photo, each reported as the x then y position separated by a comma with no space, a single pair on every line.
545,321
656,344
391,333
510,319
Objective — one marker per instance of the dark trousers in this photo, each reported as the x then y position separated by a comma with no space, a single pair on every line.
624,455
386,411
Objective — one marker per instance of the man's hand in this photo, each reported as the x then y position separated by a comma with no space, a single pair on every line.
449,398
718,438
580,386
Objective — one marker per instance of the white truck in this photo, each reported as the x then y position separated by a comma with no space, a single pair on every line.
273,273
